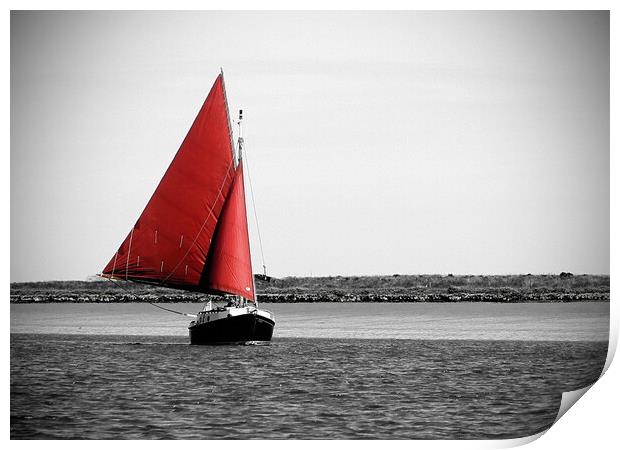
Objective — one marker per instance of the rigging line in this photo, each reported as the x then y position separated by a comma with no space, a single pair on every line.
172,311
128,254
150,303
260,240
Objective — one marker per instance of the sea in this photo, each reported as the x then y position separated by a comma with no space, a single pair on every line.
332,371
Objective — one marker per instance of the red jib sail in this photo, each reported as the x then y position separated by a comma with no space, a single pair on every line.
169,243
228,267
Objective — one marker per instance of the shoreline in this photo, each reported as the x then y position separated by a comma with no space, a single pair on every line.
325,298
563,288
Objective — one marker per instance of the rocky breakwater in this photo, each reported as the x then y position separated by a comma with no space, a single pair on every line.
507,296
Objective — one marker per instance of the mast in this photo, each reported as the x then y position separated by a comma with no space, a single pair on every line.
240,156
240,139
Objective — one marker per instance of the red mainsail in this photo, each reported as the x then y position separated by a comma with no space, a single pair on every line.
171,239
228,267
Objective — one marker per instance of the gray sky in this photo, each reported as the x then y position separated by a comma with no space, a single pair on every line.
378,142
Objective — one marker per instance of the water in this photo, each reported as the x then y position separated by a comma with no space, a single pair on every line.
99,382
579,321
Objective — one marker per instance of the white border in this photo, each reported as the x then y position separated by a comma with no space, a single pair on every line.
590,423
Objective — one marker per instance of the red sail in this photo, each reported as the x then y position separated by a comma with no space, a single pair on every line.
229,268
169,243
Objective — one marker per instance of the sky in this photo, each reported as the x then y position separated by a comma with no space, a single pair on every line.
377,142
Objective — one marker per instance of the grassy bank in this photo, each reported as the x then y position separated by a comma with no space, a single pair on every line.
393,288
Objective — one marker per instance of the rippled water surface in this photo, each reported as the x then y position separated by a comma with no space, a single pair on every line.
84,371
99,387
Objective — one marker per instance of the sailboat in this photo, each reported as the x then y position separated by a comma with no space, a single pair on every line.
193,233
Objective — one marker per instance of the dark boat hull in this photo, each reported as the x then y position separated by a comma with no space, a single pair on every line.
232,330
